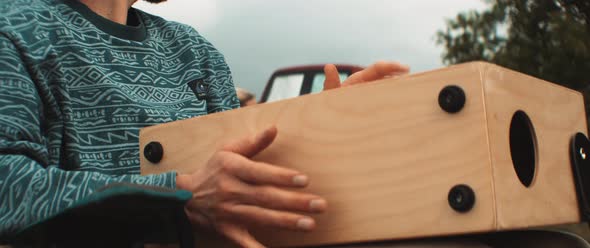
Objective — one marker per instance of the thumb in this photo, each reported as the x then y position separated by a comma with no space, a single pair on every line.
332,77
240,236
249,147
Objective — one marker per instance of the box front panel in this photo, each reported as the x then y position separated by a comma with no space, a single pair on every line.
549,115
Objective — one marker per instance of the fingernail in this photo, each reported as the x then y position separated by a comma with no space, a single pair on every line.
317,205
305,224
300,180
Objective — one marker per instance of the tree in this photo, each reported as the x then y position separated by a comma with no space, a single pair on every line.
548,39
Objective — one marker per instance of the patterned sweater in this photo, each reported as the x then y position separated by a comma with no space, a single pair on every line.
75,89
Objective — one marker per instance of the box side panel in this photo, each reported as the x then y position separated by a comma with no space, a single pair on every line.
556,114
385,156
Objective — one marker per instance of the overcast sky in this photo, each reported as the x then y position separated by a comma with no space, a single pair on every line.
260,36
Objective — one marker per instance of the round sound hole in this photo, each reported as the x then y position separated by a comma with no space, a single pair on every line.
523,147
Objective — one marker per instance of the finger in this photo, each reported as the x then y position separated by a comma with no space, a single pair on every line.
280,199
262,173
254,215
377,71
196,218
239,235
332,77
249,147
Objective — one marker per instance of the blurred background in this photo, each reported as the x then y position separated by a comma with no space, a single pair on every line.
260,36
549,39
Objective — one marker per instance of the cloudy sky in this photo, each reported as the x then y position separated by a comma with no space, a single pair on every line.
260,36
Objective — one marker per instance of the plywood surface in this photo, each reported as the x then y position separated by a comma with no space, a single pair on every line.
384,155
556,114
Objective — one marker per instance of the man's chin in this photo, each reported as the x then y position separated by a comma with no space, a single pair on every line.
155,1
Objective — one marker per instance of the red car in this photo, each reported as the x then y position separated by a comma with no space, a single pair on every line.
296,81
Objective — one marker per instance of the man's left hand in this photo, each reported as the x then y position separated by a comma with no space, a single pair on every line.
377,71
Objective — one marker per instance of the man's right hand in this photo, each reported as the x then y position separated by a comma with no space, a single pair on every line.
233,192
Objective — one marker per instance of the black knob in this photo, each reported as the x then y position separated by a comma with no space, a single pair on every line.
461,198
153,152
580,149
580,162
451,99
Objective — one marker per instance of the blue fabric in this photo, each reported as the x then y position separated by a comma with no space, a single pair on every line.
73,97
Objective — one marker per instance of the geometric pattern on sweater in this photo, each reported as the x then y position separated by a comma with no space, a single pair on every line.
74,96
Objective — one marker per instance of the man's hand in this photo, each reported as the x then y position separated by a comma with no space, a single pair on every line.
233,192
379,70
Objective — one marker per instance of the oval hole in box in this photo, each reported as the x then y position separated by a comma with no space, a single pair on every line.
523,147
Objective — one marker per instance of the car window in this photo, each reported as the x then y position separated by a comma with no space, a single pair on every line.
286,86
318,81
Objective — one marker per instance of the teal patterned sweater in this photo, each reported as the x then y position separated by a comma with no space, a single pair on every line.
76,88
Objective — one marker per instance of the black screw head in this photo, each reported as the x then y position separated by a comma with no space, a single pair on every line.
153,152
451,99
461,198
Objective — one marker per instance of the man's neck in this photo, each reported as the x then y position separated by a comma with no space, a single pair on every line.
114,10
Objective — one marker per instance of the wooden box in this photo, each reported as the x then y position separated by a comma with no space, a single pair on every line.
386,155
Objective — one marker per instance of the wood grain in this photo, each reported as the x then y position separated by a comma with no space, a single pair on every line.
385,155
556,114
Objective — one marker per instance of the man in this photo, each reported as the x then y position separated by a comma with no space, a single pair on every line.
78,79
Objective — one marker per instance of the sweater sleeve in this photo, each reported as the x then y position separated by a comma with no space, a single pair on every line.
31,188
221,95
